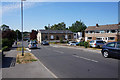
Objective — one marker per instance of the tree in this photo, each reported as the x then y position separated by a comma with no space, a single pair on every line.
33,35
18,35
4,27
59,26
78,26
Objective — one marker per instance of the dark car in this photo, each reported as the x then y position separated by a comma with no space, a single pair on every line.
44,43
111,49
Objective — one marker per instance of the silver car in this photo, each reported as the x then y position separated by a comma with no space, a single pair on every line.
97,43
32,45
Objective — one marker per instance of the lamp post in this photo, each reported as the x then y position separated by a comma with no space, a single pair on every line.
22,25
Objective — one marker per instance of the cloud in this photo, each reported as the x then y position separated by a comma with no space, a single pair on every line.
14,6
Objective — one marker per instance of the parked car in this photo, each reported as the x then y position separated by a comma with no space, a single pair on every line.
97,43
44,43
32,44
111,49
72,43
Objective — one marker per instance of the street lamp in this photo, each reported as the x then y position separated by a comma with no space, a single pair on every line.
22,25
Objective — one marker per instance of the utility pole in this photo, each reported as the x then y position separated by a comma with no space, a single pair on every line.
49,33
22,25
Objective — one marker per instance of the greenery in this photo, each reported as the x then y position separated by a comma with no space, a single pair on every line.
8,37
81,43
78,26
18,35
86,44
61,41
59,26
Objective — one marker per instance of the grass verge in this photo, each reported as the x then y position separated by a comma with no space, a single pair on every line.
27,58
20,49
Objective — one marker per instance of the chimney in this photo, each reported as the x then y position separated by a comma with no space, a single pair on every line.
97,25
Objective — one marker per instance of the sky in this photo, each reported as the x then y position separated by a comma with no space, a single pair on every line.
40,14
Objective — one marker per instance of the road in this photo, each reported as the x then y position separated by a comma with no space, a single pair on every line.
75,63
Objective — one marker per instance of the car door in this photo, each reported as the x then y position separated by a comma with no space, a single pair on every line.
118,49
111,48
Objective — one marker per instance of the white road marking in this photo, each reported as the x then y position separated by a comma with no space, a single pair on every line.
85,58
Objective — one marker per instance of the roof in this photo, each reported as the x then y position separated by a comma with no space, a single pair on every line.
103,27
55,31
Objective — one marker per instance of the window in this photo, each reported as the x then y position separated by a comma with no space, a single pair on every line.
57,37
46,37
69,37
63,37
98,38
97,32
89,38
111,38
99,41
102,31
113,31
118,45
52,37
110,45
86,31
91,41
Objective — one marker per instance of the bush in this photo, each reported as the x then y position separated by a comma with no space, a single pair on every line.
81,43
5,48
6,42
61,41
86,44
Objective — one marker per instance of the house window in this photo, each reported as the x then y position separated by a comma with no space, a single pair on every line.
102,31
63,36
113,31
46,37
111,38
89,38
66,36
86,32
69,37
57,37
99,38
97,32
52,37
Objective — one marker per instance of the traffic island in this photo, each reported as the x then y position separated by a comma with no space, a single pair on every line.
27,58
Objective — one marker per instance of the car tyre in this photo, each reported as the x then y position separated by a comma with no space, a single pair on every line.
106,54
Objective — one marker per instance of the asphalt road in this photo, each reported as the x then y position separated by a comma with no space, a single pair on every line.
75,63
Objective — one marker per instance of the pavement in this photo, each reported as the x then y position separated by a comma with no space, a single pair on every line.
30,70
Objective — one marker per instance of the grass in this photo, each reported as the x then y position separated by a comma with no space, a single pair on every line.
27,58
20,49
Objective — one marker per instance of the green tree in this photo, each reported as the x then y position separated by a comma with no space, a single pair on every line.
18,34
4,27
59,26
78,26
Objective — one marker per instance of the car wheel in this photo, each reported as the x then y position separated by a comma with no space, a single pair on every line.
106,54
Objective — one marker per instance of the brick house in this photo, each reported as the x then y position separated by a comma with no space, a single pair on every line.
108,33
54,35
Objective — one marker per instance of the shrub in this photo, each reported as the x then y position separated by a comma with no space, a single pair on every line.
81,43
5,48
86,44
61,41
